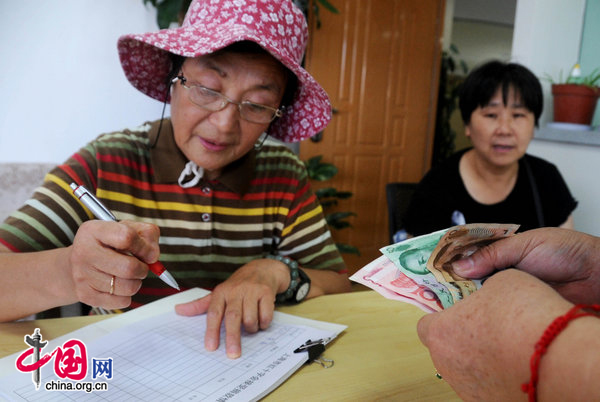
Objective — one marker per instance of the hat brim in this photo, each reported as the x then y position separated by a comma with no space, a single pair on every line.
146,62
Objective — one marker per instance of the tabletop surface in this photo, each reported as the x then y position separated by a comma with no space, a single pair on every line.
378,357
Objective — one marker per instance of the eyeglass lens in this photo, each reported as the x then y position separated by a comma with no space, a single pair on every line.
215,101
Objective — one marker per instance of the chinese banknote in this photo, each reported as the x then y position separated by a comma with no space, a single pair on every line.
419,270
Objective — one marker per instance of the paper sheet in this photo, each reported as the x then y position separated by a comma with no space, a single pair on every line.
162,357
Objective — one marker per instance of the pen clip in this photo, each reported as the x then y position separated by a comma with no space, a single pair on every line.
80,192
315,349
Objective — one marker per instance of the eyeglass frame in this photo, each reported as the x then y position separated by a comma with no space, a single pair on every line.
277,112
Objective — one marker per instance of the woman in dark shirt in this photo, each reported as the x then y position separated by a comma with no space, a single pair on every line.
494,181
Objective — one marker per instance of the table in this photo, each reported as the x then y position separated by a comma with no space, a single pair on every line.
378,357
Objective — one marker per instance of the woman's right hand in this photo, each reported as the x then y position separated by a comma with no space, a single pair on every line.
102,250
568,260
482,345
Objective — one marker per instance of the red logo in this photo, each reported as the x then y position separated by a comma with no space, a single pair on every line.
70,359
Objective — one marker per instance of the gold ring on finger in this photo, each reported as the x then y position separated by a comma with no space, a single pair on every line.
112,285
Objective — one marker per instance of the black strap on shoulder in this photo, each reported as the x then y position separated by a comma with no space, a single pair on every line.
536,196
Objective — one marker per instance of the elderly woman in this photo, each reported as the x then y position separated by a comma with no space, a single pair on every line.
235,212
494,181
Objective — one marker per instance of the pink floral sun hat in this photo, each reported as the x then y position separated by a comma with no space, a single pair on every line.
278,26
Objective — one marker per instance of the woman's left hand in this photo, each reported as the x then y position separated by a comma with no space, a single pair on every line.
246,299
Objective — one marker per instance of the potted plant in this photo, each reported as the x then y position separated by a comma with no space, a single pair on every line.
575,99
329,196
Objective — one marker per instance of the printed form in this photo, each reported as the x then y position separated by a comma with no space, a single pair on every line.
162,357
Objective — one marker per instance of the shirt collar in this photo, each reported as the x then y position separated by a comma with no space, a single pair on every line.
168,161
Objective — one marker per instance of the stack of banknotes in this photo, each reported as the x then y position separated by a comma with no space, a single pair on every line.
419,270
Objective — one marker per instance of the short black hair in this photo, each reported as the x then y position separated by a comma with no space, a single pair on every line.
483,82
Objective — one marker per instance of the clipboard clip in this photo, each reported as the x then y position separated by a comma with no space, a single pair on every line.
315,350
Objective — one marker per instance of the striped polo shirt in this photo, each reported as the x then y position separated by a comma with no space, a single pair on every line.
261,204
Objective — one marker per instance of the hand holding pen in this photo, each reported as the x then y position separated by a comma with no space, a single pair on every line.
102,213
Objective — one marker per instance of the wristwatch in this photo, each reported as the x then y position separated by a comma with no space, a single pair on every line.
299,282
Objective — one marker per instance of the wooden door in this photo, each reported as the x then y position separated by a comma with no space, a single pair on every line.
379,62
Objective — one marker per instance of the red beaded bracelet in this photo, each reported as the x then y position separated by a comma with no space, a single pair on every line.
552,332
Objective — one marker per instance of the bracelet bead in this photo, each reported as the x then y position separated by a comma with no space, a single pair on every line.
551,332
294,277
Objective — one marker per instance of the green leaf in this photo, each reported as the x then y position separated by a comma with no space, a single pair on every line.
548,77
168,12
339,225
317,17
328,196
323,172
337,216
330,192
451,64
328,203
347,249
592,78
329,6
312,163
326,192
318,170
336,219
343,195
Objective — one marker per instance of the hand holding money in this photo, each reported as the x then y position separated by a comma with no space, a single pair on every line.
460,242
425,262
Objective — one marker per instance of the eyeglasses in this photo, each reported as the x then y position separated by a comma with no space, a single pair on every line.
214,101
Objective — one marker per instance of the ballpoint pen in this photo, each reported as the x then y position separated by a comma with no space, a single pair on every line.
102,213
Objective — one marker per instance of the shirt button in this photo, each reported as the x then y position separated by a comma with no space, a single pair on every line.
206,190
206,217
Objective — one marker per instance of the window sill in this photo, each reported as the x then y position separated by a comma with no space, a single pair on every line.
581,137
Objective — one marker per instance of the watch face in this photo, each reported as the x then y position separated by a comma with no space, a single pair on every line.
302,291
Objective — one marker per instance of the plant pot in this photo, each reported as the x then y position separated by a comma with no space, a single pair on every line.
574,103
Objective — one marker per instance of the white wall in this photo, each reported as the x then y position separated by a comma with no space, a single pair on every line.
480,42
480,29
546,39
492,11
60,77
579,166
